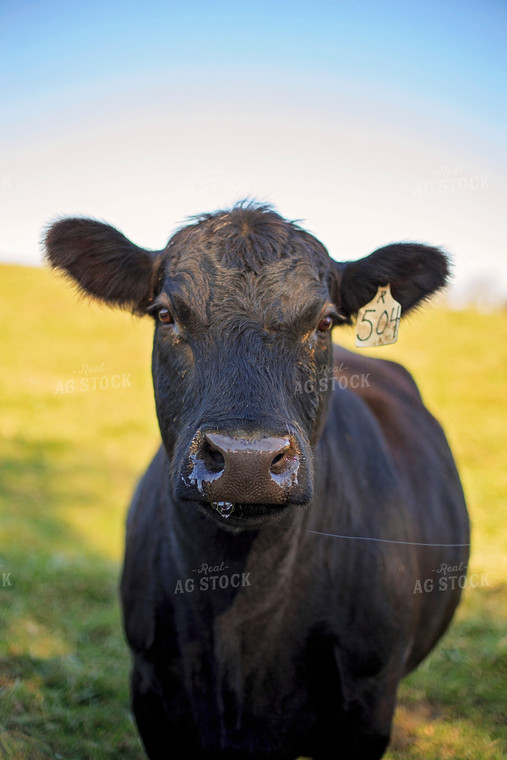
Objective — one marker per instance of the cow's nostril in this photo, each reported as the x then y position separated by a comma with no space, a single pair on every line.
280,461
213,458
278,464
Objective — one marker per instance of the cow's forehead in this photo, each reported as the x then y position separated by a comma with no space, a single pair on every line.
278,292
246,238
249,260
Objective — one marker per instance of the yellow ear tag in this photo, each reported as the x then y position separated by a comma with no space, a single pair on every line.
378,321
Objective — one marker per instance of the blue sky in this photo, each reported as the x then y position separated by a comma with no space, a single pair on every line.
370,121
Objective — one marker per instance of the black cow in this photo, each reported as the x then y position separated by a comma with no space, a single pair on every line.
278,542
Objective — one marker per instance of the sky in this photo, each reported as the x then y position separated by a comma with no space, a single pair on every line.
370,122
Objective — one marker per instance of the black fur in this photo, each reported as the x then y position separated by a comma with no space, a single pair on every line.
414,271
103,262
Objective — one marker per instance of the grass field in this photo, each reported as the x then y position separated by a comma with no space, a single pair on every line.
77,429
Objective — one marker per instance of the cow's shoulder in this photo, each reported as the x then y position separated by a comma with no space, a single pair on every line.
391,395
368,376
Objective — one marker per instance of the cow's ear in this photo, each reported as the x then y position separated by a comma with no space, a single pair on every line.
413,270
103,262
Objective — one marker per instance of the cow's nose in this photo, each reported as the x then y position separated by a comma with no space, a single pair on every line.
246,470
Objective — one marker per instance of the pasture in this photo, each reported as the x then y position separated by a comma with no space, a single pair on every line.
78,427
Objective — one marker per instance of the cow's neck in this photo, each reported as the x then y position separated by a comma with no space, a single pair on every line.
244,585
265,559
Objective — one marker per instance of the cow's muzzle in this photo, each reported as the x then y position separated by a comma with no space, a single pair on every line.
232,471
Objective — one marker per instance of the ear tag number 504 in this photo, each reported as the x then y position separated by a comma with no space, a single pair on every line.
378,321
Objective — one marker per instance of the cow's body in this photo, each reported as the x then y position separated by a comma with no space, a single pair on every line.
283,630
304,656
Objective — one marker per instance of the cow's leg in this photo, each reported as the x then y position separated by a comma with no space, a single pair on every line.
149,713
358,748
163,732
359,728
351,743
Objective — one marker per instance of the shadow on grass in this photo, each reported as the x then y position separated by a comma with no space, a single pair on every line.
63,659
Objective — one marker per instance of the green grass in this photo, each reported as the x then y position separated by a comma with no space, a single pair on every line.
69,458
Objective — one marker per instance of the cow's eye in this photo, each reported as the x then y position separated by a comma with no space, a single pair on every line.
325,323
165,316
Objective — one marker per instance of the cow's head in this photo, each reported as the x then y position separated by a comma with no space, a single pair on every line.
243,304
